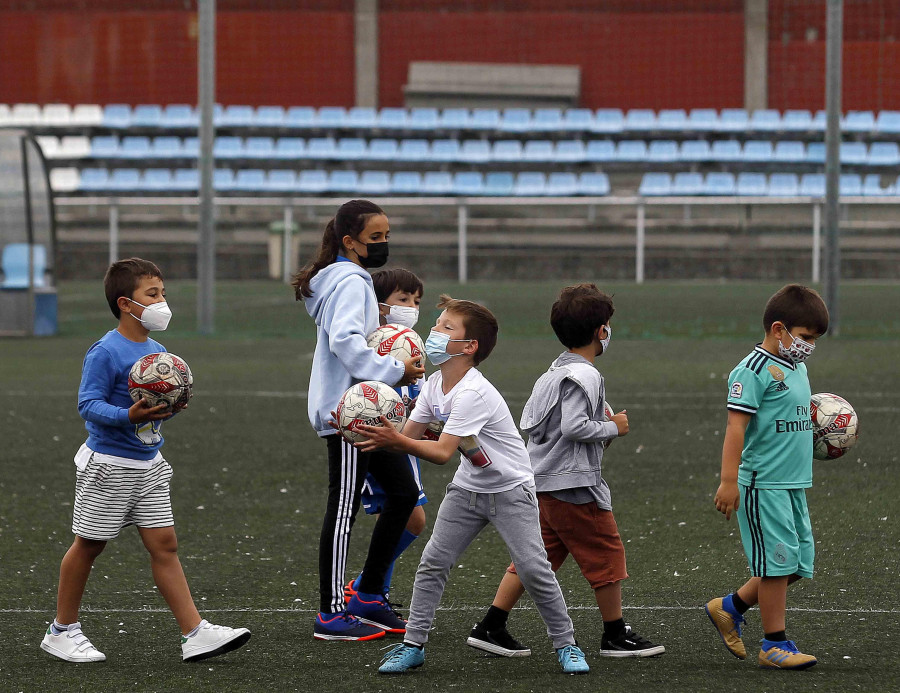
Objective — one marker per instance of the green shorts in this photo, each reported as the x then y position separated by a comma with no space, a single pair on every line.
776,532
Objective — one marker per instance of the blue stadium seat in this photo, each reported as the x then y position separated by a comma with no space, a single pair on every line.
105,147
250,180
190,147
236,117
343,181
888,121
569,151
733,120
393,119
884,154
484,119
815,153
444,150
515,120
228,148
662,151
758,150
290,148
475,151
269,117
281,180
538,150
166,148
850,185
695,150
122,179
135,147
819,121
454,119
872,186
223,180
17,274
116,115
331,117
374,183
631,150
583,120
499,183
703,120
362,117
672,119
858,121
598,151
179,115
437,183
853,153
423,118
468,183
719,184
789,151
406,183
300,117
259,147
146,116
321,148
93,179
414,150
530,183
726,150
812,185
751,184
783,185
547,120
593,184
352,149
796,120
383,150
312,181
562,184
186,180
687,184
765,120
655,185
157,179
507,150
639,119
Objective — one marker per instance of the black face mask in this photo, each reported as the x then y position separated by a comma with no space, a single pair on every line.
377,255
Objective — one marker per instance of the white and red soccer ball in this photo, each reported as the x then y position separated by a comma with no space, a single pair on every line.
395,340
363,404
835,425
161,378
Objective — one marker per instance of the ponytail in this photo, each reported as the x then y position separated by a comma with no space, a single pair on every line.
350,220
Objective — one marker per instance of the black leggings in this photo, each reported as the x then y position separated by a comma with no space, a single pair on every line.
347,468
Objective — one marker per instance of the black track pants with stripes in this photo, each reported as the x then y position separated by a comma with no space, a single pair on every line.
347,469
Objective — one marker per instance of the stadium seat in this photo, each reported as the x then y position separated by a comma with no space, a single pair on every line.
146,116
312,181
124,179
655,185
631,150
695,150
468,183
186,180
598,151
593,184
64,180
529,184
639,119
74,147
796,121
321,148
758,151
819,121
116,115
86,115
703,120
406,183
562,184
662,151
783,185
228,148
269,117
362,117
538,150
49,146
17,274
507,150
547,120
223,180
733,120
105,147
672,119
393,119
351,148
259,147
888,122
157,180
93,179
569,151
499,183
56,115
383,150
414,150
719,184
437,183
789,151
454,119
4,114
374,183
515,120
444,150
765,120
281,181
331,117
290,148
135,147
751,184
812,185
300,117
166,148
475,151
687,184
423,118
343,181
815,153
859,121
236,117
853,153
179,116
484,119
850,185
883,154
583,120
726,150
872,186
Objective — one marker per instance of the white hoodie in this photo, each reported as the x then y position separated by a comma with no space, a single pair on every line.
345,309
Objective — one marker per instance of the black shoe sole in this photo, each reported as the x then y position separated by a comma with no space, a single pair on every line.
239,641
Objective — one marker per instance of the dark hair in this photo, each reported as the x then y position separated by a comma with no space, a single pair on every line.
480,323
578,313
387,282
122,279
350,220
796,306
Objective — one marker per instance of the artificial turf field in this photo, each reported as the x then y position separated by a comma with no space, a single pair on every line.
250,479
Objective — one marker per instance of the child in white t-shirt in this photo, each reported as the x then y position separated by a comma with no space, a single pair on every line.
493,484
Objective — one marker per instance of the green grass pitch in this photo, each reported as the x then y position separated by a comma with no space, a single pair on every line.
250,477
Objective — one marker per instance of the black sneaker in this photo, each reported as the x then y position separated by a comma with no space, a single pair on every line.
629,644
498,642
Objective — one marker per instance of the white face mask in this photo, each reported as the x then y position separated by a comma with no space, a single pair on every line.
407,316
155,317
605,340
798,351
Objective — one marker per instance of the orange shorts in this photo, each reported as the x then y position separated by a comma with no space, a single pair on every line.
588,533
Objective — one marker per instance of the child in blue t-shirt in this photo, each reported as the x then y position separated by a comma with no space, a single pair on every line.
122,478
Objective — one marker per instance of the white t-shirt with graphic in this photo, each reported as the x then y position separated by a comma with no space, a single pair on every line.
494,458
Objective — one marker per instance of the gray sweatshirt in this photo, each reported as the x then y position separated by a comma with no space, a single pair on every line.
566,428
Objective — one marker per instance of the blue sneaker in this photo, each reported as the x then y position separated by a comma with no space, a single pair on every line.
402,658
343,626
377,611
572,660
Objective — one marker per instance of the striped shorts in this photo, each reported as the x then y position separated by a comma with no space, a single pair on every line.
108,498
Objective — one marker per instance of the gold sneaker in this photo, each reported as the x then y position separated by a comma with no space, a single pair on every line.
729,627
784,655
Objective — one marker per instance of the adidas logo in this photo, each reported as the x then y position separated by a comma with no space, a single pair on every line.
781,387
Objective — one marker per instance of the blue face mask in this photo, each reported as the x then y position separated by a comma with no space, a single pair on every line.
436,347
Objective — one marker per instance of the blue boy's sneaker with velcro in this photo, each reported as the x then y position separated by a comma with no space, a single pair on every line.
402,657
343,626
376,610
572,660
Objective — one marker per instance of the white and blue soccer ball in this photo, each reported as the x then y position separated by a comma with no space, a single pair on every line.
363,404
835,425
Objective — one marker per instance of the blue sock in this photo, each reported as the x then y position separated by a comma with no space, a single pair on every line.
728,605
58,628
406,539
356,582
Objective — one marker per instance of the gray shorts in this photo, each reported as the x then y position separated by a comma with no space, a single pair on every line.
108,498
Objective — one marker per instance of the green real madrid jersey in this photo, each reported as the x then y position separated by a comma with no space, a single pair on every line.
778,444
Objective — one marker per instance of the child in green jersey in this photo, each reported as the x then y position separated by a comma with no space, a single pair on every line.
766,469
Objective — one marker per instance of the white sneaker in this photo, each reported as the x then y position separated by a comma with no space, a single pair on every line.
71,645
211,640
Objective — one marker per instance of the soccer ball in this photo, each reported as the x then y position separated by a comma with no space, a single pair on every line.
835,425
608,412
363,403
395,340
161,379
433,430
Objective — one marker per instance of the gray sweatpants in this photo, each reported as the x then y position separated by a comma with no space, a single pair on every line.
462,515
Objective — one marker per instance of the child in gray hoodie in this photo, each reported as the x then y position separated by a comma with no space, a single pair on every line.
567,434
